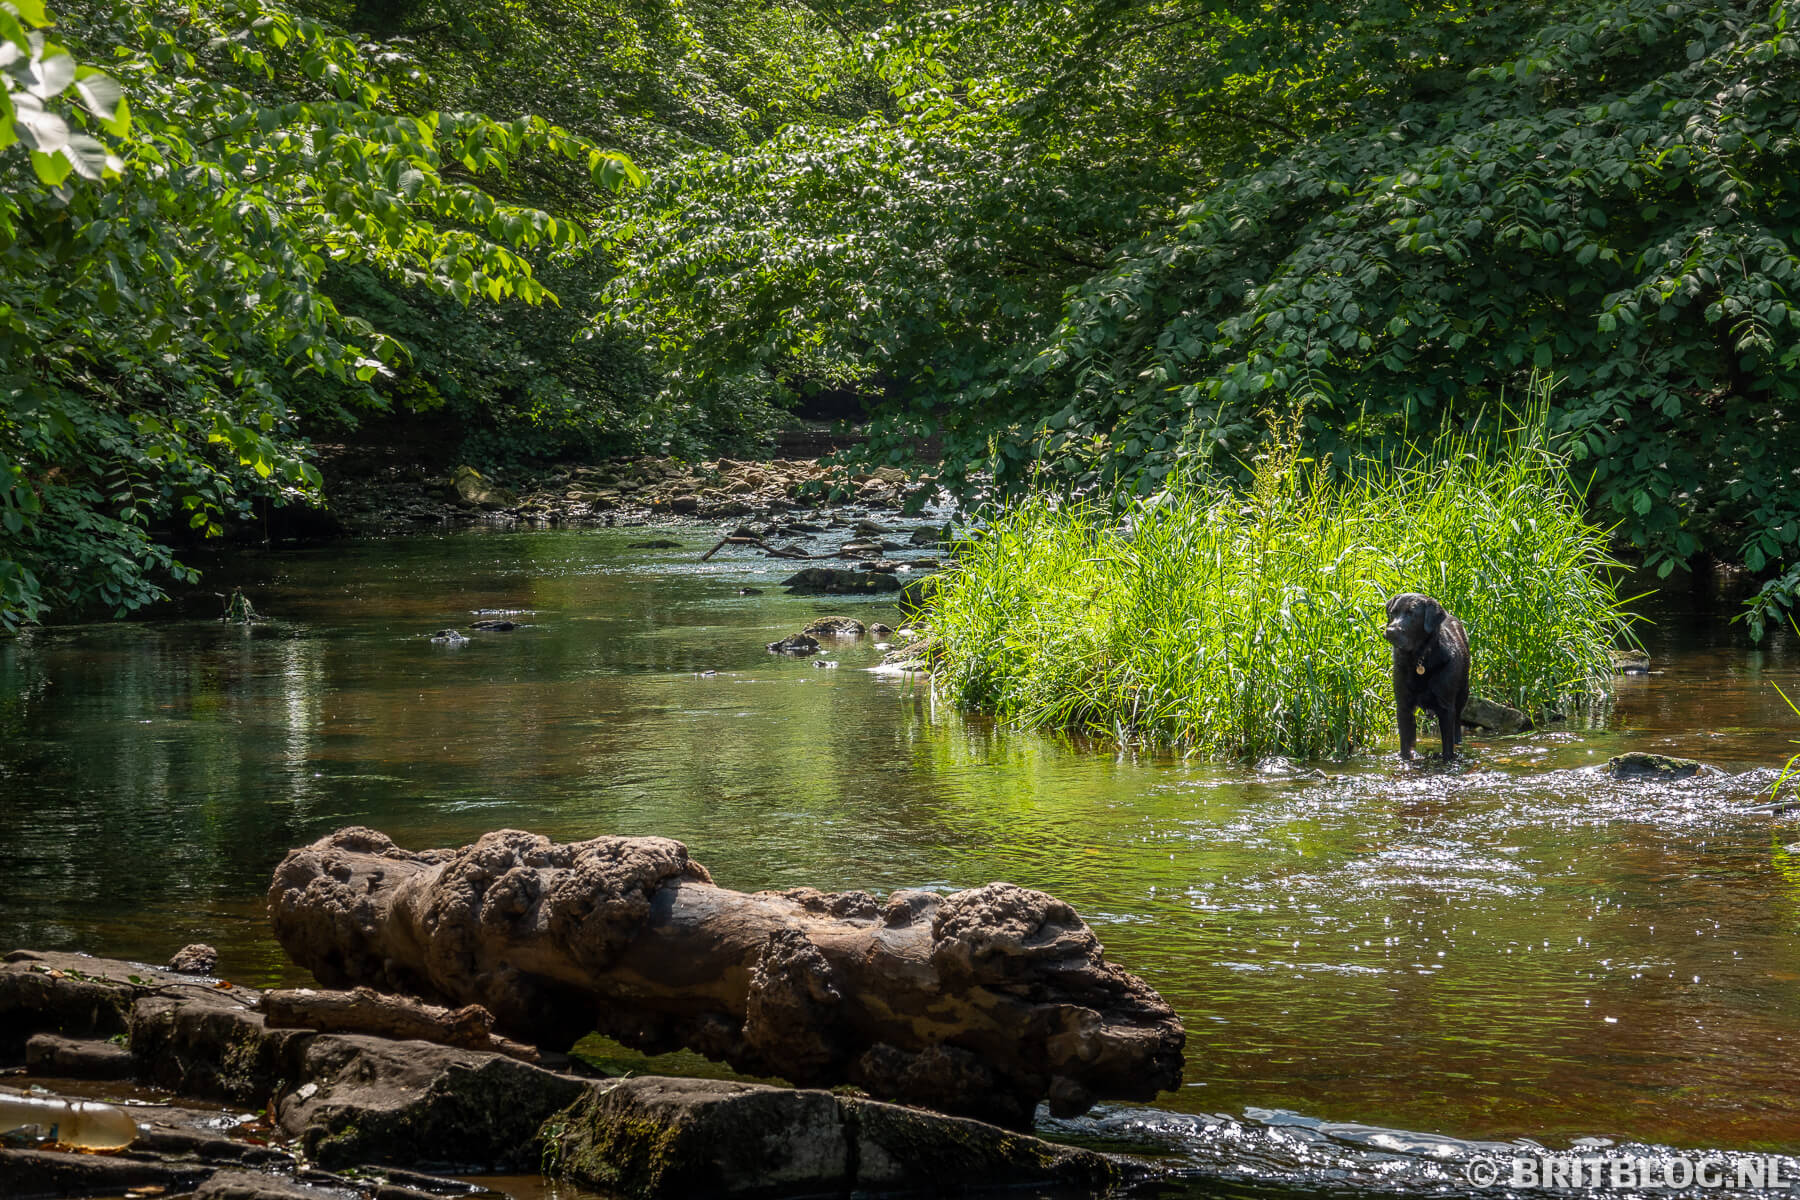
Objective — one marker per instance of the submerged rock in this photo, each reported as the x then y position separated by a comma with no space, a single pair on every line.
448,637
654,544
1630,662
1638,764
1494,717
835,627
654,1138
495,625
794,643
833,581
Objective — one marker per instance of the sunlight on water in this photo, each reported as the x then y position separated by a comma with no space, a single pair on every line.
1513,946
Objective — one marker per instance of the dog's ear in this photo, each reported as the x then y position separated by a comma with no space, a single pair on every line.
1434,617
1393,607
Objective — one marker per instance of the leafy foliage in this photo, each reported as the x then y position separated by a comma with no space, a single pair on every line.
1101,239
153,326
1245,625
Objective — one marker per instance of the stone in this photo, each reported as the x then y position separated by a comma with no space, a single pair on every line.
375,1100
795,643
30,1173
927,535
67,994
476,492
196,959
659,1139
1638,764
495,625
448,637
1494,717
914,592
212,1046
76,1058
835,627
878,629
1630,662
256,1185
654,544
832,581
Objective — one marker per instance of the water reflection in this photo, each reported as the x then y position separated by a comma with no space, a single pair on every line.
1513,946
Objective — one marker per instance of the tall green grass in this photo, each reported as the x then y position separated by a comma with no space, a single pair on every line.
1247,623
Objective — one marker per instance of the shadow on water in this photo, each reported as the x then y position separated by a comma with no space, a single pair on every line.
1512,947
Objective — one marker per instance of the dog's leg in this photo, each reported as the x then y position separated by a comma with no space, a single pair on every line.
1409,728
1447,725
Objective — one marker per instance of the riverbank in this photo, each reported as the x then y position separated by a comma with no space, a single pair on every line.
376,1118
625,492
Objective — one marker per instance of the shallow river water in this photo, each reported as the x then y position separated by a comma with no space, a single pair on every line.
1514,947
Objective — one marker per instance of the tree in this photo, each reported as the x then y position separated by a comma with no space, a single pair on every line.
1092,240
161,297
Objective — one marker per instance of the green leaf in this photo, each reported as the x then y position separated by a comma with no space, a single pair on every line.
52,169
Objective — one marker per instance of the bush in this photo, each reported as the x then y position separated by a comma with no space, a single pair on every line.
1246,623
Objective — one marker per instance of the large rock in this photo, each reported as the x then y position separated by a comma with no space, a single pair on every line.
77,1058
67,994
652,1139
1638,764
830,581
375,1100
358,1100
984,1002
25,1174
835,627
1494,717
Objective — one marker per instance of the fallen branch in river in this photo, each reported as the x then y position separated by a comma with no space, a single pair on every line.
983,1002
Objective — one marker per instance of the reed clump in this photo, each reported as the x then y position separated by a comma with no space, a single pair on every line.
1245,623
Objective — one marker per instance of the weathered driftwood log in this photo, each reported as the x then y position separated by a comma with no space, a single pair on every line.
982,1002
366,1010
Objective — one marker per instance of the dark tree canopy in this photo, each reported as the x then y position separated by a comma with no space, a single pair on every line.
1076,243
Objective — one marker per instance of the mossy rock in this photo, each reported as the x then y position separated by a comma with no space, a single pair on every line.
1638,764
655,1138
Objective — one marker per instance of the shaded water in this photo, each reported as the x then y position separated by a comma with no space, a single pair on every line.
1516,946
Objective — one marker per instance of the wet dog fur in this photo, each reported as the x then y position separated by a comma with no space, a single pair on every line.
1431,668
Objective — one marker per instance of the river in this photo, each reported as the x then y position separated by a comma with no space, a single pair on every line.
1514,947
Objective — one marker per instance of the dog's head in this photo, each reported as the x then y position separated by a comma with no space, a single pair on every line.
1413,620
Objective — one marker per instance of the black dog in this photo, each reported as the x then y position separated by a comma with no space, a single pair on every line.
1431,667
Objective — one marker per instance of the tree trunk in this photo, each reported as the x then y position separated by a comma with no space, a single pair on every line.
983,1002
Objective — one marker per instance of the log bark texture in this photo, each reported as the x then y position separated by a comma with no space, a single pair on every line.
983,1002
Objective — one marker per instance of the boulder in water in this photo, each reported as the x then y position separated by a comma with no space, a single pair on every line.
1638,764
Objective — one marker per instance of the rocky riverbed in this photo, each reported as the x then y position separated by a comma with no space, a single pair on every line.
623,492
229,1107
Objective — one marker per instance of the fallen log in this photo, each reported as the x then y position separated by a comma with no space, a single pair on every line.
366,1010
982,1003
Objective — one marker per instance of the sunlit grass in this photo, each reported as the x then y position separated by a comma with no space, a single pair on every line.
1242,623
